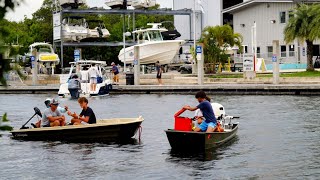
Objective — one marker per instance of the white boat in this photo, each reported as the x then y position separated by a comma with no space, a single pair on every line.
152,47
45,55
99,30
71,3
141,4
81,67
74,28
117,3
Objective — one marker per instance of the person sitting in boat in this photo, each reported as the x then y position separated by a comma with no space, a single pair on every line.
47,102
210,122
198,119
87,115
52,116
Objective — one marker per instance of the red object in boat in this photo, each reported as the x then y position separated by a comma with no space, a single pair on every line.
182,123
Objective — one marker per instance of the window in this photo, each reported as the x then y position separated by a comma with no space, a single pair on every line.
245,49
155,36
258,52
283,51
291,51
270,51
316,50
283,17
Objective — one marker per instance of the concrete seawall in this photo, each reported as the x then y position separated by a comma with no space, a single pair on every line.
228,89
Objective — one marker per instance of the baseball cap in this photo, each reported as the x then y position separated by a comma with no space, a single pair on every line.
54,102
47,102
112,63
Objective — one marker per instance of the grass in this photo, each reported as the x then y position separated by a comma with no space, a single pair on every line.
295,74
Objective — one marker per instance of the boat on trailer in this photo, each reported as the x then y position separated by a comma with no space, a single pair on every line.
153,47
105,130
183,139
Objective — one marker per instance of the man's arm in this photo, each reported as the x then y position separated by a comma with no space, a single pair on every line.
190,108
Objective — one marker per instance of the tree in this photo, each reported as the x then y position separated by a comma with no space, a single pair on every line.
304,26
217,40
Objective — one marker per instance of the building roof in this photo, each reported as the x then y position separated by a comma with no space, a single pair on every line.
250,3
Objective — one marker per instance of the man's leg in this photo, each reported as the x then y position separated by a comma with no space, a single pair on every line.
55,123
211,127
94,86
75,121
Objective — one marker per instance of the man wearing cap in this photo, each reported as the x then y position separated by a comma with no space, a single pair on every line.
115,71
52,116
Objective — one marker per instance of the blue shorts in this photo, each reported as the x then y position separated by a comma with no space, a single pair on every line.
204,126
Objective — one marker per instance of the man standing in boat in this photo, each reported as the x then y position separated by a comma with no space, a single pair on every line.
210,122
52,116
87,115
93,73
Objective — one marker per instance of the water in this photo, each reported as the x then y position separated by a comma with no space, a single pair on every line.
278,138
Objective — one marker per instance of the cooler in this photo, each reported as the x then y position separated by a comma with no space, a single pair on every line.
182,123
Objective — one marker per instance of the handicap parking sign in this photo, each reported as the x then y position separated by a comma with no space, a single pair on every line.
199,49
274,58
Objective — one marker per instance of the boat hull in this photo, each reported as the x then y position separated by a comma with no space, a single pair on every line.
101,90
81,133
199,141
151,52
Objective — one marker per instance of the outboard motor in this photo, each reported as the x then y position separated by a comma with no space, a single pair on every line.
74,87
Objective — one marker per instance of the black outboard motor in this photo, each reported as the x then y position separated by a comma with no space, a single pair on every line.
74,87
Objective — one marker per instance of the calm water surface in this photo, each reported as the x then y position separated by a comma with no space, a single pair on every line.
278,138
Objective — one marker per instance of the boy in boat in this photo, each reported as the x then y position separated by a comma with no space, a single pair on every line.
210,122
86,115
52,116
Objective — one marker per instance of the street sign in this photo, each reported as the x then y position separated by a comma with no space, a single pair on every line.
135,62
248,62
32,59
274,58
199,49
76,55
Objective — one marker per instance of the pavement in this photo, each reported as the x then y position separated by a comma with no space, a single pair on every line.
177,83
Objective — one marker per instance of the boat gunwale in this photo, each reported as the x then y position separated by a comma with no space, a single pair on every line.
204,133
134,120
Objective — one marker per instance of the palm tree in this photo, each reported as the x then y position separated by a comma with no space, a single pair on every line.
217,40
304,26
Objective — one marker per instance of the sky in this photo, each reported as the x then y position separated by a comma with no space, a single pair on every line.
30,6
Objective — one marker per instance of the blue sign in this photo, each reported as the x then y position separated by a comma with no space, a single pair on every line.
274,58
76,55
135,62
32,59
199,49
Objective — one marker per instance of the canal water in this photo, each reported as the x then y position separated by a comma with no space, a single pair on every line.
278,138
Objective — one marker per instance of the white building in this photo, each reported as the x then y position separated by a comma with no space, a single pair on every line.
211,15
271,17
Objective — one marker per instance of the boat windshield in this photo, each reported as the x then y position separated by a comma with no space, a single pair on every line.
155,35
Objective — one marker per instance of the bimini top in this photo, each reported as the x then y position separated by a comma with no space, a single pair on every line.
155,27
89,62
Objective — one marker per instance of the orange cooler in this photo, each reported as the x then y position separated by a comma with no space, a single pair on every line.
182,123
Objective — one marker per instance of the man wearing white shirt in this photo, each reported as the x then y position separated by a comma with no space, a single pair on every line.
93,73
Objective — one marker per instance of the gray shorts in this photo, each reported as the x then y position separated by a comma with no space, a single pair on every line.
93,80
